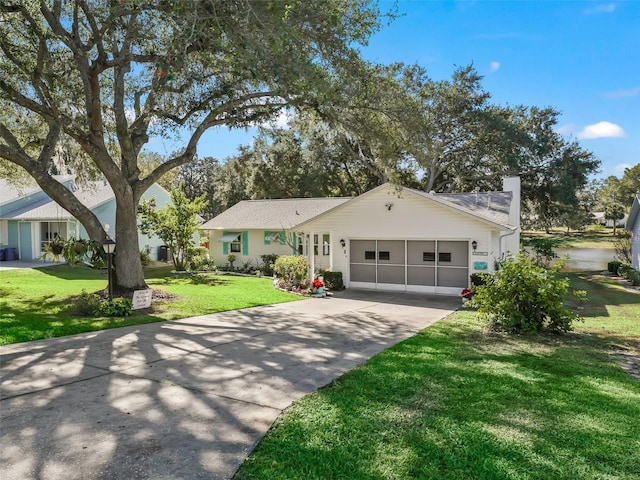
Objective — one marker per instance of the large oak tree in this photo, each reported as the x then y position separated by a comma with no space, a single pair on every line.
108,75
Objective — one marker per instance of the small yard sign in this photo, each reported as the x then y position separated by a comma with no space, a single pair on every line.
480,265
142,299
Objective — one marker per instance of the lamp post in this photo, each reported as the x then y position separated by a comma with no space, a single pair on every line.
109,246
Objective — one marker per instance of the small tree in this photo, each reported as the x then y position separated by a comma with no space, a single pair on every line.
175,224
614,211
623,247
524,297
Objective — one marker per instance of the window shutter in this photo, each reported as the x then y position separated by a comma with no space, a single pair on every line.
266,238
295,243
225,245
245,243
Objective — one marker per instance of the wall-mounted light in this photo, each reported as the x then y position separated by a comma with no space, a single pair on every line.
474,245
342,242
388,205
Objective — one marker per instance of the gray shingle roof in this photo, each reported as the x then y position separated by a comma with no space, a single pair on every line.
272,214
492,206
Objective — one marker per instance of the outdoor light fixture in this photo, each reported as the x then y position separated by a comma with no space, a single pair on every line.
389,205
109,247
342,242
474,245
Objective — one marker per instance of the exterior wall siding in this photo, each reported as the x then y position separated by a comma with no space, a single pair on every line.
635,245
255,247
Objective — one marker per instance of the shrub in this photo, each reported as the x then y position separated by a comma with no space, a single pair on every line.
628,272
145,256
623,246
268,262
542,249
333,280
87,303
478,279
118,307
292,269
613,267
525,297
200,263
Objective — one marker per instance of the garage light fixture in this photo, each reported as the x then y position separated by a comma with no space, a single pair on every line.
342,242
474,245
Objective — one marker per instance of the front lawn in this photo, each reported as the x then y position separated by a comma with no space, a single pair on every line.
38,303
579,239
459,402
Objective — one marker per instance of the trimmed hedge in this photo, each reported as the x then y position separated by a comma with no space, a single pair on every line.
613,267
333,280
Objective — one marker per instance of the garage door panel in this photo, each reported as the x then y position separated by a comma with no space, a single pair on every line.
452,277
363,251
391,251
453,254
363,273
421,276
421,252
391,274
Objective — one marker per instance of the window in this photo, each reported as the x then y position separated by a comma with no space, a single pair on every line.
325,244
383,256
444,257
301,244
428,256
315,245
235,246
369,255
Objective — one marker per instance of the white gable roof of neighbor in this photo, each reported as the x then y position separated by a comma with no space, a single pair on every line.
279,214
634,214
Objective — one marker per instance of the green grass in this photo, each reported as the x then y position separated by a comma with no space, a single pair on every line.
585,239
459,402
38,303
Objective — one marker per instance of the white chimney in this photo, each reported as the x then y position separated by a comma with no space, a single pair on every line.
511,243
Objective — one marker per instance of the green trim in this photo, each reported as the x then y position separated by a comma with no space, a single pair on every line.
245,243
283,237
266,234
295,243
225,245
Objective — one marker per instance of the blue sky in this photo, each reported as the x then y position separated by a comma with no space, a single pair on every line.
580,57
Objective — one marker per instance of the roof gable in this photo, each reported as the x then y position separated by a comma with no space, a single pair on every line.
273,214
488,207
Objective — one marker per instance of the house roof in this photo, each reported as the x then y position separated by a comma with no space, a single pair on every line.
492,207
634,214
91,195
278,214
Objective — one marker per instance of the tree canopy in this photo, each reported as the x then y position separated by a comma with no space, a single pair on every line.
106,76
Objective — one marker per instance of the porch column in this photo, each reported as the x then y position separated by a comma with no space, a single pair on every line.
312,257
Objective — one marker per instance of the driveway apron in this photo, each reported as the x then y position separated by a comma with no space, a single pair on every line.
186,399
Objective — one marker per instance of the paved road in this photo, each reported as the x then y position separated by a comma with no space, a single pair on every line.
186,399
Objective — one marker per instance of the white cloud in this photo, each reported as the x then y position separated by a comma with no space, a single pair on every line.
568,129
494,66
621,167
601,8
631,92
601,130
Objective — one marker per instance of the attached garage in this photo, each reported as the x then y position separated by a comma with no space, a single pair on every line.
401,239
433,266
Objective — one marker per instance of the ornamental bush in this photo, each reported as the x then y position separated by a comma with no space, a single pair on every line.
525,297
292,269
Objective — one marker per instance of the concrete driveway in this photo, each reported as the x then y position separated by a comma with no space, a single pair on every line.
186,399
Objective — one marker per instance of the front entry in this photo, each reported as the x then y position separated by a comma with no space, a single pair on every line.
430,266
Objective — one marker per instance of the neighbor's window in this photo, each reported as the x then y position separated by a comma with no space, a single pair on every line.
444,257
325,244
428,256
235,246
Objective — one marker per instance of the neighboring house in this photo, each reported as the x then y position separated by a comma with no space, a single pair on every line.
599,218
633,225
29,218
390,238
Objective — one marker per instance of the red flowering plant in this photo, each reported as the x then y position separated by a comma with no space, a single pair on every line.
466,293
317,283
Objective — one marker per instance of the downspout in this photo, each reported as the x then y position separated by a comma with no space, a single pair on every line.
503,235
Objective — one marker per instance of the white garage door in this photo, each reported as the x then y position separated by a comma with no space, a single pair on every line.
432,266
